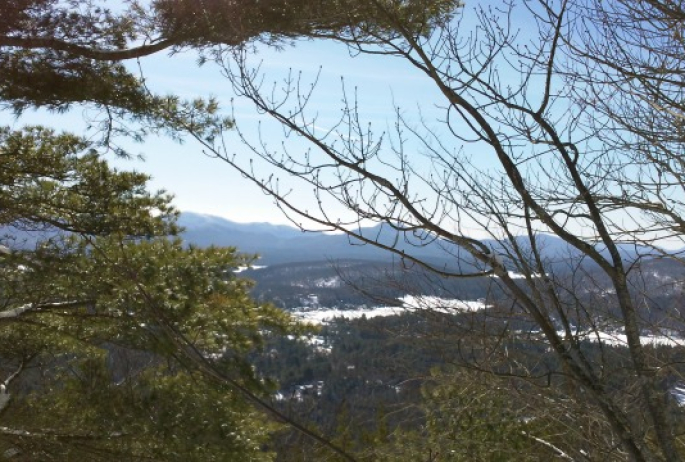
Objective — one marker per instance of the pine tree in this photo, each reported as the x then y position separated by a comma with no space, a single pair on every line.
107,318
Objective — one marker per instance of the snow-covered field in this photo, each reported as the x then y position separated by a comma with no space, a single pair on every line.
326,315
514,275
618,339
446,305
240,269
409,303
333,281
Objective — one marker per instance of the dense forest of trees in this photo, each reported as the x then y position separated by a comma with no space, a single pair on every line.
119,341
404,387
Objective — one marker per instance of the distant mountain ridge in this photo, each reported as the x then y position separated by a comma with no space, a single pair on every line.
274,243
278,244
282,244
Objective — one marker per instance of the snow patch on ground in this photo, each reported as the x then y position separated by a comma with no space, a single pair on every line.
328,282
409,303
317,342
331,282
514,275
678,393
445,305
326,315
240,269
618,339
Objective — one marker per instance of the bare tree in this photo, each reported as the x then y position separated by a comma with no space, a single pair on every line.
537,138
626,62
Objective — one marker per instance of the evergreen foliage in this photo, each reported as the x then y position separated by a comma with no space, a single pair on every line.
105,314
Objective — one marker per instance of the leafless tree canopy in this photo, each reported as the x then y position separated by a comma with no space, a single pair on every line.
568,124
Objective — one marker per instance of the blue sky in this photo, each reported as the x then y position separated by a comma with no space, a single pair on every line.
207,185
202,184
382,83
